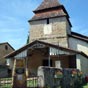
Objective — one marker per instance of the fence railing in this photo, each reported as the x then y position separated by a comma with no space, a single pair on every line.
66,80
32,82
5,82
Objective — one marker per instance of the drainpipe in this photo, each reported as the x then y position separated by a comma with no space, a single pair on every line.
49,58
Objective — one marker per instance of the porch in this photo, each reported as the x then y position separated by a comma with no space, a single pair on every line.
36,54
44,57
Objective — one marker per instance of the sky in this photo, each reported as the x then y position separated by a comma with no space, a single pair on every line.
14,16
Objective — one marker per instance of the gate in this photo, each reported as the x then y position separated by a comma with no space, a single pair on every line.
5,82
32,82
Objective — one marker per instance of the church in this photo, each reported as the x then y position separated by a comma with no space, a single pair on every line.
51,41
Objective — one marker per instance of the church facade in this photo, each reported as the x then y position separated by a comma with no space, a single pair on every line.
51,24
52,43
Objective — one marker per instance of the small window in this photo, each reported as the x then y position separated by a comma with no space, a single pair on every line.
6,47
47,21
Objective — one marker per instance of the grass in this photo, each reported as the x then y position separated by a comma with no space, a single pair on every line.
86,86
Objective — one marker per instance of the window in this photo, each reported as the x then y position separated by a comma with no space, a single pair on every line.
48,21
46,62
6,47
72,61
8,62
47,27
58,64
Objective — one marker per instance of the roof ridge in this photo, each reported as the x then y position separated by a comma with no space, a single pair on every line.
8,44
49,44
80,35
3,43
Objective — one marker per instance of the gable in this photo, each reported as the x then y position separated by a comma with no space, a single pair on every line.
54,49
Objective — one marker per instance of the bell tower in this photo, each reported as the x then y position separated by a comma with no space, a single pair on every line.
50,23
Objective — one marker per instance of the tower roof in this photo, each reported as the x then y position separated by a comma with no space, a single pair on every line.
46,4
50,9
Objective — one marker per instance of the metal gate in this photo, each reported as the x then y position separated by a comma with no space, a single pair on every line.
32,82
5,82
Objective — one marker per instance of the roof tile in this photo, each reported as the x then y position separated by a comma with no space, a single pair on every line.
48,4
48,14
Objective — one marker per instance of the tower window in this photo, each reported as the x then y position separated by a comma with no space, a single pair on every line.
6,47
48,21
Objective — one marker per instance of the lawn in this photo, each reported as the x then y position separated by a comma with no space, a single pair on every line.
86,86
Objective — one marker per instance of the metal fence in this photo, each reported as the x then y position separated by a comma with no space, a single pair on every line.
66,78
32,82
5,82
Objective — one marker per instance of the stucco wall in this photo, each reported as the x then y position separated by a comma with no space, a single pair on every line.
58,34
79,45
82,63
11,63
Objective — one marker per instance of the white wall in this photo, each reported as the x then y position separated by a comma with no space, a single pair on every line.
10,63
79,45
82,63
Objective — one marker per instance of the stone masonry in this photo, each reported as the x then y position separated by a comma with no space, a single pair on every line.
58,35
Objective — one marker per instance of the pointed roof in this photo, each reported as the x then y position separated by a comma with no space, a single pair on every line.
50,9
46,4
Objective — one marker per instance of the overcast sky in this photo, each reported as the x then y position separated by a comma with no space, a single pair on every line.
14,16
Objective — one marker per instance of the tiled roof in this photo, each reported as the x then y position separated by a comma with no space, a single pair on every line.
48,14
48,4
50,9
7,44
79,36
48,44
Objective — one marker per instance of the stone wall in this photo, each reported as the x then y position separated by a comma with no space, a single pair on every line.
55,32
4,50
